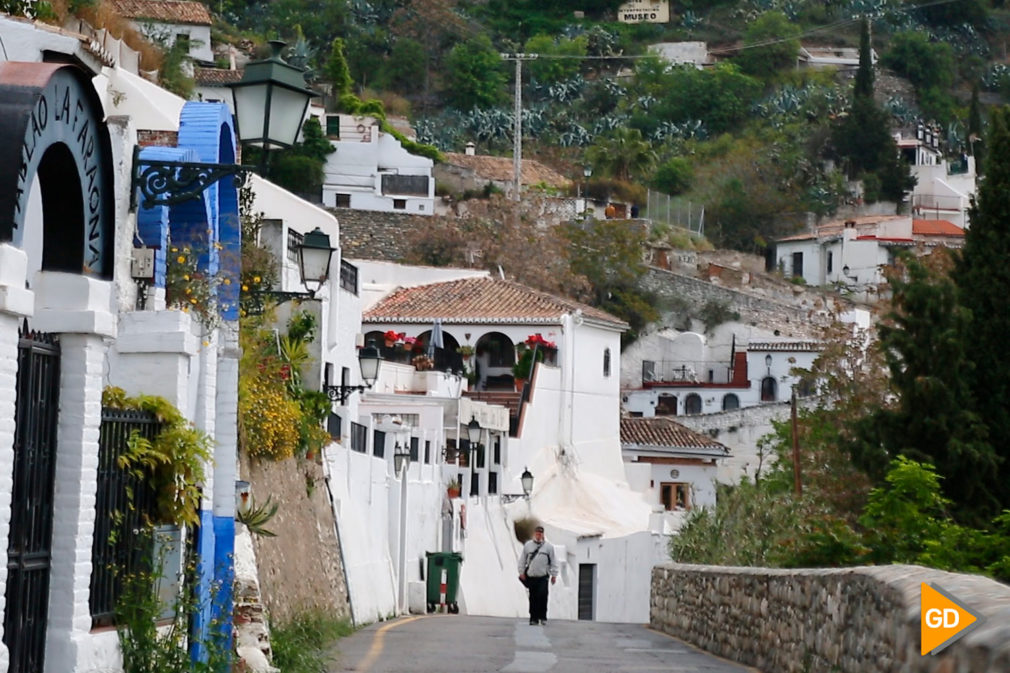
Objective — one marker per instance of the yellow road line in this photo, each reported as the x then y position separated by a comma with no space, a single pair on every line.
376,650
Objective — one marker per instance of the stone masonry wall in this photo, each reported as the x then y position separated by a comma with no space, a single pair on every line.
301,570
846,620
366,234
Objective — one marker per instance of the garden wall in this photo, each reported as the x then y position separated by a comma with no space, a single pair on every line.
847,620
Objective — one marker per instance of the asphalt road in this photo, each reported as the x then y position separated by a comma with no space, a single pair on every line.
460,644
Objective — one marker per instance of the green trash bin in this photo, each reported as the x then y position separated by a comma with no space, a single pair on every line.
450,562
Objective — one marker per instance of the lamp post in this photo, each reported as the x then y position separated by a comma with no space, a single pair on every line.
401,461
527,481
369,360
768,363
587,172
270,102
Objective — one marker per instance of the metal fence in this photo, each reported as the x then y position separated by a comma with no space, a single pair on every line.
675,211
125,505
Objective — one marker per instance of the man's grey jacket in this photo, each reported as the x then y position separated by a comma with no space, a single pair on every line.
541,557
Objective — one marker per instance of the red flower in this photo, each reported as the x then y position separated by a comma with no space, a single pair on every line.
536,339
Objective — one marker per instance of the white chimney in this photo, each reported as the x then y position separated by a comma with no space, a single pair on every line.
471,149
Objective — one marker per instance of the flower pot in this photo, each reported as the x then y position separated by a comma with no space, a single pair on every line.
452,492
519,384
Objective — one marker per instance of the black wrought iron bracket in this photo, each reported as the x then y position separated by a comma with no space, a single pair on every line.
341,393
165,183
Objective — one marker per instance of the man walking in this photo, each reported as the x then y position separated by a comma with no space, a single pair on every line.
537,562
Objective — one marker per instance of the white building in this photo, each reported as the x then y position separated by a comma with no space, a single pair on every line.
565,431
683,53
169,21
372,171
681,374
676,466
943,190
853,253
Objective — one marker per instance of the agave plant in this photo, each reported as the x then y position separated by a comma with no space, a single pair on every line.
690,20
566,91
256,517
574,135
901,109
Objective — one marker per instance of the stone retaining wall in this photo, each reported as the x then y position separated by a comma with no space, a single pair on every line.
848,620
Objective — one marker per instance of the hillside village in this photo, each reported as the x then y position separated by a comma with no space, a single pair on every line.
391,409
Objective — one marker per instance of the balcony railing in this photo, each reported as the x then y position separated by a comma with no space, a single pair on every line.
685,372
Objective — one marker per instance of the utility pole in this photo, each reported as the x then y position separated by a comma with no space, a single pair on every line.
797,480
517,133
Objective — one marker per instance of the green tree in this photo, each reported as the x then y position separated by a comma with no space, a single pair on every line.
771,43
984,282
550,70
674,176
621,154
863,87
609,254
337,71
404,70
474,74
924,343
923,63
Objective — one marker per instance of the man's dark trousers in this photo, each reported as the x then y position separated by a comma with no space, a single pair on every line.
538,597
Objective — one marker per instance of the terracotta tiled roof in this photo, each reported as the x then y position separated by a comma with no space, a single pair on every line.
659,432
216,76
936,228
167,11
479,300
500,169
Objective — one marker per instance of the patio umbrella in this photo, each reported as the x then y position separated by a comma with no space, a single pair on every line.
436,338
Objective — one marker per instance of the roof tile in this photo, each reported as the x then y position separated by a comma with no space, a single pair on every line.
660,432
479,300
168,11
216,76
936,228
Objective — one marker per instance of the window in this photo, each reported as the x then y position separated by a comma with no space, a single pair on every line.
427,452
831,260
768,392
474,482
342,201
648,371
379,444
804,388
492,483
497,450
415,445
675,495
349,277
399,204
359,437
333,423
295,240
667,405
606,362
692,404
333,126
730,401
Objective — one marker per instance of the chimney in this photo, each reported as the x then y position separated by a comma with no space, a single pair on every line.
470,149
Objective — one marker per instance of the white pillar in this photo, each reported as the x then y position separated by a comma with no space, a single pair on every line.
16,303
79,309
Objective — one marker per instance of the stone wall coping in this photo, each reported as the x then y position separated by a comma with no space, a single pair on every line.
70,303
863,618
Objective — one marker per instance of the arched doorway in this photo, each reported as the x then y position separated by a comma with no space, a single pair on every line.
768,389
692,404
730,401
494,355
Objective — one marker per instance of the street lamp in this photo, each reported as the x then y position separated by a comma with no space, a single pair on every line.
270,101
473,431
527,482
587,172
401,458
369,360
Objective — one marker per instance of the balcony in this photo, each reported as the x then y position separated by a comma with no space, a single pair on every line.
685,373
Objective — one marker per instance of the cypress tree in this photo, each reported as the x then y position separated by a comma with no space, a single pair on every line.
864,75
934,418
983,278
337,71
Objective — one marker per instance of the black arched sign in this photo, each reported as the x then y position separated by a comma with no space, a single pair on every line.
52,127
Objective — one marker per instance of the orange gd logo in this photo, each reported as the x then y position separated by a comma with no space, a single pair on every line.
943,619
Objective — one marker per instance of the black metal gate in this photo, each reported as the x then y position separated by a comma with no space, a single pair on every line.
31,531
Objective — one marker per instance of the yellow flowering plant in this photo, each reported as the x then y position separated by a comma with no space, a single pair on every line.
190,289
